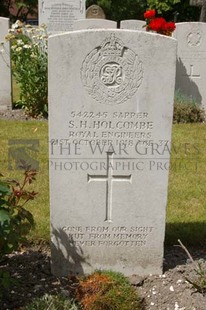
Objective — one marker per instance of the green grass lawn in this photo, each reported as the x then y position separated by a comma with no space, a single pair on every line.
30,130
15,90
186,213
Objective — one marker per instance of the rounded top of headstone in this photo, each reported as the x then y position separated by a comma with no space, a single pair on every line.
95,11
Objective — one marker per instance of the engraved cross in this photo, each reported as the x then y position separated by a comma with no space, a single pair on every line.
109,178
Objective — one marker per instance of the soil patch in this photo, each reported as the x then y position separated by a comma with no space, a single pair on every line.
31,277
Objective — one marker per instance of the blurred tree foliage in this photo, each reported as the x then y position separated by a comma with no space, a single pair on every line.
121,9
178,10
134,9
24,8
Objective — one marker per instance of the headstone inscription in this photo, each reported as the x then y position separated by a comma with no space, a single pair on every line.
92,23
191,60
95,11
133,24
59,15
5,68
110,130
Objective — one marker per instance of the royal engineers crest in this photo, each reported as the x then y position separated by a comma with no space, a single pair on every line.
111,73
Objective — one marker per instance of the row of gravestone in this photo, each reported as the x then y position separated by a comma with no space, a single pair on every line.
191,57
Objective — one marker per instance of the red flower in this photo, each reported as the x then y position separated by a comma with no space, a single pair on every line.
169,27
157,24
149,14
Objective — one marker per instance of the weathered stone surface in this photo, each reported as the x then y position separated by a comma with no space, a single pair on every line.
5,68
110,106
95,11
133,24
92,23
59,16
191,60
196,2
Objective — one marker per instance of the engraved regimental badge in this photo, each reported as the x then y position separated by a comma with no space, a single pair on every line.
111,73
194,39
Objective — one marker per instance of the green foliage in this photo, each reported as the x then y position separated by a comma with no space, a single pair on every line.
52,302
121,9
186,110
184,12
162,6
24,8
5,282
134,9
15,220
200,282
104,290
29,67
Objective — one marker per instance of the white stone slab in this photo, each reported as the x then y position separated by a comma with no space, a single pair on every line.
59,15
110,107
93,23
133,24
191,60
5,68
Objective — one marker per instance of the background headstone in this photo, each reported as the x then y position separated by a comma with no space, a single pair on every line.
59,15
196,2
202,4
92,23
95,11
110,107
133,24
5,68
191,60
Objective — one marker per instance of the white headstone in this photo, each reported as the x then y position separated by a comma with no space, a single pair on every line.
133,24
110,107
191,60
94,24
59,15
5,67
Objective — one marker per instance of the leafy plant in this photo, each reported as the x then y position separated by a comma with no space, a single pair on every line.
104,290
162,6
29,66
200,282
15,220
52,302
186,110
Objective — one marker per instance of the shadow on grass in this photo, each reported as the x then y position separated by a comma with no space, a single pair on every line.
67,258
192,235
